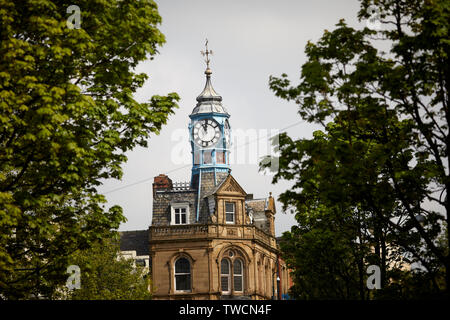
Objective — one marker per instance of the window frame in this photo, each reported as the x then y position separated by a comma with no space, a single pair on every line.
175,274
207,153
220,154
228,275
197,158
179,206
232,260
234,212
241,275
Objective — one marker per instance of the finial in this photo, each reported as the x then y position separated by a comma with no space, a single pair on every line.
207,53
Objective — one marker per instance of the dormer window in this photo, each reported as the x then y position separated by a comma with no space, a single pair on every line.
180,214
230,212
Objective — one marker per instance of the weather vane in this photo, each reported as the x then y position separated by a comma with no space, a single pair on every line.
206,53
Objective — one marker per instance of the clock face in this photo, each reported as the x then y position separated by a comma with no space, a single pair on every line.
206,133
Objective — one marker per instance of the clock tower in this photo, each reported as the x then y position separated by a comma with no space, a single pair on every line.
209,238
209,131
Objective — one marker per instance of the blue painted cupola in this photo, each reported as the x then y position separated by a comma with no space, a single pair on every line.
209,133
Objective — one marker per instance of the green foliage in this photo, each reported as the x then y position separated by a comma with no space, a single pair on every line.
105,275
382,156
67,117
323,256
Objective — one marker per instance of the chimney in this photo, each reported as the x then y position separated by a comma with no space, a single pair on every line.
161,182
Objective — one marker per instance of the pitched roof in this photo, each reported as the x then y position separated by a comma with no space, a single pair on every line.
213,191
137,240
260,205
230,185
257,205
229,179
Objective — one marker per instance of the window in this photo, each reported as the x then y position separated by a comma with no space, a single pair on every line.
140,262
180,214
237,275
182,275
207,157
220,157
197,158
225,276
229,212
232,274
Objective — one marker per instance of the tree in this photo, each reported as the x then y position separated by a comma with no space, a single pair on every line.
67,118
106,275
324,256
386,127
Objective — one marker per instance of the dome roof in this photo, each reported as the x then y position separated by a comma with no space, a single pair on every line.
209,100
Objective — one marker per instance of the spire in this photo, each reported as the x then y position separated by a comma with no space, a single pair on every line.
208,93
209,100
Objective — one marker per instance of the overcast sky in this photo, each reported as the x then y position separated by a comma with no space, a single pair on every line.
251,40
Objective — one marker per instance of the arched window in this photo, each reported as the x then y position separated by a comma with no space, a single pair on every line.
225,276
182,275
238,275
232,272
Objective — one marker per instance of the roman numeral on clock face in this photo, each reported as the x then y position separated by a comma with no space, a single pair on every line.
206,132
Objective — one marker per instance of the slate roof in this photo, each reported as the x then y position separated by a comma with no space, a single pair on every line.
209,100
216,188
137,240
257,205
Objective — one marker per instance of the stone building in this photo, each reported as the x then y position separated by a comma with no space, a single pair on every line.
134,245
209,239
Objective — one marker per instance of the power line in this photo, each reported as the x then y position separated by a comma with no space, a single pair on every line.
188,165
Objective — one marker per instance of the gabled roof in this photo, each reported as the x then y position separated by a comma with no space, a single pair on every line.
229,185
